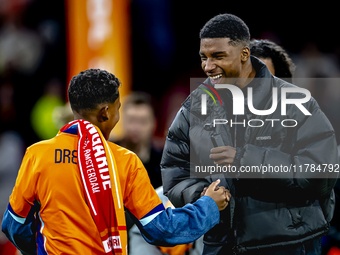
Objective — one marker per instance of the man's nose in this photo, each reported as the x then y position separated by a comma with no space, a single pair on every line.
209,65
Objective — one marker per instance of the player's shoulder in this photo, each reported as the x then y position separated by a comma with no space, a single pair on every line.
41,145
121,151
44,146
126,159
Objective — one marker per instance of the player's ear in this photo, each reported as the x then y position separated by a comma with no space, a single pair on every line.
245,54
103,114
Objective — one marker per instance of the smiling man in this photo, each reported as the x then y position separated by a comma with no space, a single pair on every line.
225,60
270,212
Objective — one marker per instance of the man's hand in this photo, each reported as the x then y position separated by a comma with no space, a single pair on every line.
223,155
220,195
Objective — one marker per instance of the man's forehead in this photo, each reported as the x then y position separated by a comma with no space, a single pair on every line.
137,107
215,44
215,41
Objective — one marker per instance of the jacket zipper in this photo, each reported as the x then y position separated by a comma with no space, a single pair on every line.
233,220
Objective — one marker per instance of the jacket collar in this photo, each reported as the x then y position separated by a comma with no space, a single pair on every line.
261,84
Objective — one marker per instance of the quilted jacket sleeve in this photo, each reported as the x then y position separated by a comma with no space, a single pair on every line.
175,164
313,155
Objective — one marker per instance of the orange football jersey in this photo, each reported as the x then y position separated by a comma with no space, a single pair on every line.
49,176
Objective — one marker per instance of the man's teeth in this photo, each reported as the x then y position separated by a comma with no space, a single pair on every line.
216,77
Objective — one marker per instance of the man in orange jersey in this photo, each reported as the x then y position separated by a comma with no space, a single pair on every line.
70,190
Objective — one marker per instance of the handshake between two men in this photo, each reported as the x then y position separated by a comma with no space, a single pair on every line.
219,194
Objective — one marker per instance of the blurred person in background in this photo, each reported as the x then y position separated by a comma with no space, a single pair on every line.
21,48
139,124
275,57
21,52
32,50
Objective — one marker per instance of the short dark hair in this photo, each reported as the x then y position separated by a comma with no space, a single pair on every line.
227,26
283,64
92,87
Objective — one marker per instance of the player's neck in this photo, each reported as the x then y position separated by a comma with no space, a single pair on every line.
90,118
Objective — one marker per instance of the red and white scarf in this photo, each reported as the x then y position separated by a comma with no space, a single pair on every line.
100,179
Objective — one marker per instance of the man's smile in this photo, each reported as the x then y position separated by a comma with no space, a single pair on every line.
215,79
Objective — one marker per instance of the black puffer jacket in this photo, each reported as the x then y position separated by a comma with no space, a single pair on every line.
263,213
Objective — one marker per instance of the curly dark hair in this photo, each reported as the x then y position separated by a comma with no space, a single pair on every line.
92,87
227,26
283,64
